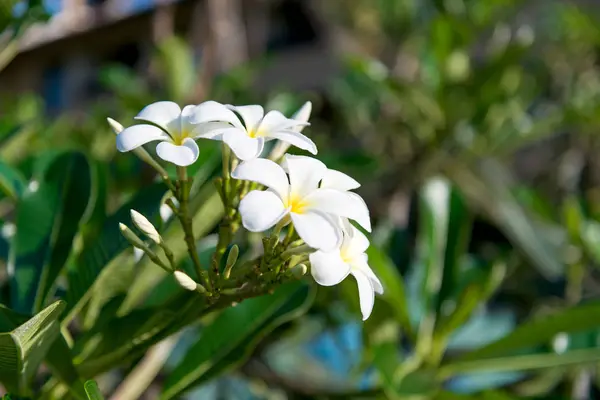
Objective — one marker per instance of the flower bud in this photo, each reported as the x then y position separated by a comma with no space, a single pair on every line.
131,237
232,258
185,281
116,127
145,226
298,271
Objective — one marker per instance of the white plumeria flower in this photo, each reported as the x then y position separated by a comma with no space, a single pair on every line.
330,268
247,136
314,211
170,125
333,179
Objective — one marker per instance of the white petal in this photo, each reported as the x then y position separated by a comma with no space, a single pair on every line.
161,113
260,210
243,146
305,173
252,115
366,294
183,155
211,111
318,230
212,130
355,242
302,115
360,263
275,121
294,138
342,204
265,172
137,135
328,269
338,180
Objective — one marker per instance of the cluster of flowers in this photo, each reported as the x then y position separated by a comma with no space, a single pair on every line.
300,190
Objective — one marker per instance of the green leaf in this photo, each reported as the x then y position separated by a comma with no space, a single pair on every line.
489,190
99,251
23,348
12,183
233,334
393,284
47,220
521,363
92,391
540,331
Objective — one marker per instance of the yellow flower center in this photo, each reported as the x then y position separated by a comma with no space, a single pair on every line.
178,139
297,204
254,133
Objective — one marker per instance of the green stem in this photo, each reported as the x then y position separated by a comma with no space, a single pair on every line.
186,224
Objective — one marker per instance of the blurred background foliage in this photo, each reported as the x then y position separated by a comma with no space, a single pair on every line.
472,125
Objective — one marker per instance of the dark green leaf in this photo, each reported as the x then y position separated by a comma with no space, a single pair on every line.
47,221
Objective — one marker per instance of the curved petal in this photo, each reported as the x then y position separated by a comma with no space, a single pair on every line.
243,146
260,210
211,111
302,115
338,180
161,113
305,174
366,293
328,269
265,172
342,204
361,264
183,155
318,230
137,135
294,138
252,115
276,121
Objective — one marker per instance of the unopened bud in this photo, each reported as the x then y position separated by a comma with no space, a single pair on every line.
145,226
130,236
231,260
298,271
116,127
185,281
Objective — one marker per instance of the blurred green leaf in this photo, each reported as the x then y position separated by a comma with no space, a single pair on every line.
47,221
489,190
521,363
177,63
393,284
12,183
23,348
98,252
541,330
92,391
233,334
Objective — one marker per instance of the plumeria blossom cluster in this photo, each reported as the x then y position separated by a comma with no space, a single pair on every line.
306,210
